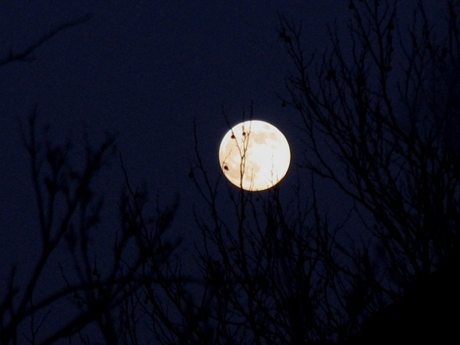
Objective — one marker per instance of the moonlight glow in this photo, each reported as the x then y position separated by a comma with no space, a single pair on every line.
254,155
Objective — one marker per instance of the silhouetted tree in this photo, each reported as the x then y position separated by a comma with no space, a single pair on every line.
69,211
88,294
376,114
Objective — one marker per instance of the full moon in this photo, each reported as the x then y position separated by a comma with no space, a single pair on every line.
254,155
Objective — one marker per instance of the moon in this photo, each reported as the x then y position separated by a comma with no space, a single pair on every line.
254,155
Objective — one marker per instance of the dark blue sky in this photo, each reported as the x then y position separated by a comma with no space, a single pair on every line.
144,69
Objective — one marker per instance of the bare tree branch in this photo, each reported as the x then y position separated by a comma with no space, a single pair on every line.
26,54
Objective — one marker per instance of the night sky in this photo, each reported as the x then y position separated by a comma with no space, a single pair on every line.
145,70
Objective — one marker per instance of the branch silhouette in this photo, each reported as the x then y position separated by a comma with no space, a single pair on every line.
25,55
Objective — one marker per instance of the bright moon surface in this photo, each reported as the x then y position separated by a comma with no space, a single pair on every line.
254,155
